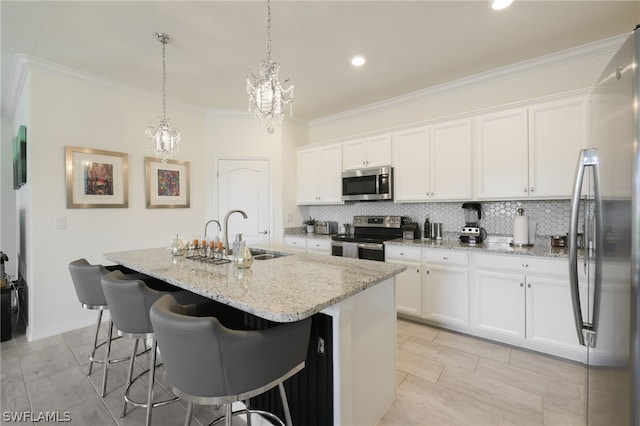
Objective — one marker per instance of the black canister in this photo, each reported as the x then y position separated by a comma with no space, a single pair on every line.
427,228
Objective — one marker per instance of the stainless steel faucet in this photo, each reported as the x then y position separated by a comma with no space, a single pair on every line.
207,224
227,250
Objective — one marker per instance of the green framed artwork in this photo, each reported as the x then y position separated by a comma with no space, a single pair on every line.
20,158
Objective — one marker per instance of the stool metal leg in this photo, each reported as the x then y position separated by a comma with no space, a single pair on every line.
106,358
187,420
152,378
95,342
228,416
285,404
129,376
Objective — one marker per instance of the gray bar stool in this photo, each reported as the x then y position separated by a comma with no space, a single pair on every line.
129,303
207,363
86,280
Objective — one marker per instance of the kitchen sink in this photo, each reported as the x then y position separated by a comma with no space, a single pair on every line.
261,254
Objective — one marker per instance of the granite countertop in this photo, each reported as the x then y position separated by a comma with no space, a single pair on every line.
493,244
285,289
490,245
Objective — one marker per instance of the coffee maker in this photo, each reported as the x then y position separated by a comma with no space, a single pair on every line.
472,233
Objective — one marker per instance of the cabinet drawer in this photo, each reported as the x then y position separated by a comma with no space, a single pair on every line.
295,242
319,245
446,257
525,264
405,253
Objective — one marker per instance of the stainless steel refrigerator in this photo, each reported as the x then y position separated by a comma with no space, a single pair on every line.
605,269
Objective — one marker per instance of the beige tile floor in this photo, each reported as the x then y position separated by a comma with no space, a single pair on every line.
444,378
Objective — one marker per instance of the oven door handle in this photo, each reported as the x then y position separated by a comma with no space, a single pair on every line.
371,246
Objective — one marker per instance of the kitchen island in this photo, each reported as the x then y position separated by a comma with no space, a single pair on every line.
357,295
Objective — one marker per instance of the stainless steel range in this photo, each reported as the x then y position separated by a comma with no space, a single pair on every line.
369,235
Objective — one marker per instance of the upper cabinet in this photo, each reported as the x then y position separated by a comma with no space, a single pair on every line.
373,151
320,175
530,152
433,163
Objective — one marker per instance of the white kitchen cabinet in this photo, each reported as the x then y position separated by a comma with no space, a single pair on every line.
374,151
525,301
530,151
295,243
317,245
408,282
320,175
557,133
445,294
433,163
502,155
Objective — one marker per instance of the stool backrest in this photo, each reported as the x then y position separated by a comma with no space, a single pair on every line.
86,280
204,358
129,302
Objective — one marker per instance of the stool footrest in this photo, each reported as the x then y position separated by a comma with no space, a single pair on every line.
251,411
129,400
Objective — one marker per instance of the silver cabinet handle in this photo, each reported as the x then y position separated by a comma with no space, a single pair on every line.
445,258
525,189
529,285
531,189
521,284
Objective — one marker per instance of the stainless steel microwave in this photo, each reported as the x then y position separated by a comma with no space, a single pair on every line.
368,184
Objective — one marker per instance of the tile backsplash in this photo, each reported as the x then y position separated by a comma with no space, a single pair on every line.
551,216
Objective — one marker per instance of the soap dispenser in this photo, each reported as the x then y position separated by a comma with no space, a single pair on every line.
241,254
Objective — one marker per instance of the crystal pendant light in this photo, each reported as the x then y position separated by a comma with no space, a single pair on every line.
267,97
164,140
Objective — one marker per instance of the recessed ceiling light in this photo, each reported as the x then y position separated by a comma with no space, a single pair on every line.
500,4
358,61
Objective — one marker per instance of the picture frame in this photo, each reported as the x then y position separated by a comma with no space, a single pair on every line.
20,158
167,183
96,178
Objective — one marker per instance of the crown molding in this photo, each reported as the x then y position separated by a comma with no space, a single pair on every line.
602,47
22,64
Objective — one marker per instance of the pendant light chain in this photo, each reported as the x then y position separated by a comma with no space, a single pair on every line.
164,139
268,30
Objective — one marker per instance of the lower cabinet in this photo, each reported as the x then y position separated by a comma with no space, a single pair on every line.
524,301
409,281
519,300
315,245
445,296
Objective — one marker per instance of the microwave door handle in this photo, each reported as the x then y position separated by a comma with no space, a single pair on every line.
573,249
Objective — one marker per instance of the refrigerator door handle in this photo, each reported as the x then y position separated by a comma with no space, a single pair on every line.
588,158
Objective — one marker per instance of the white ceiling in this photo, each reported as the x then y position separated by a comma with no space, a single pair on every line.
409,45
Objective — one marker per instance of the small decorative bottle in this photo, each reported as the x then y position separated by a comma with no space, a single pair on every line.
427,229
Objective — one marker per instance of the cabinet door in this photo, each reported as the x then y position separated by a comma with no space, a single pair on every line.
296,243
411,173
330,175
557,133
354,154
502,155
308,176
379,151
499,303
445,296
409,289
549,314
450,161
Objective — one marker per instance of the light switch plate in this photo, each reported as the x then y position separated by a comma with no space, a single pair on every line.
61,222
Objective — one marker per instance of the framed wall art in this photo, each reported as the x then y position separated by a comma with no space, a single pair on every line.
167,183
20,158
96,178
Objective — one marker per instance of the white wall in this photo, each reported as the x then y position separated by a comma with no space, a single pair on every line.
66,110
239,135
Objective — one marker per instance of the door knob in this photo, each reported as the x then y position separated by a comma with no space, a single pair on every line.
264,232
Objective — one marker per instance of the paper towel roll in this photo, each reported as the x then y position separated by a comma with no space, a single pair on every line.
521,230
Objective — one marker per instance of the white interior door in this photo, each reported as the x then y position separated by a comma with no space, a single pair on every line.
244,184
